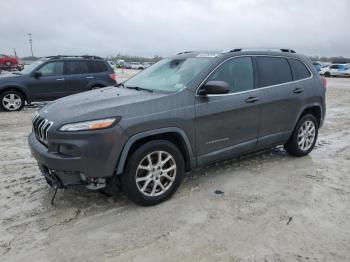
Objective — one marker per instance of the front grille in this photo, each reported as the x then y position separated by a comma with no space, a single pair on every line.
41,127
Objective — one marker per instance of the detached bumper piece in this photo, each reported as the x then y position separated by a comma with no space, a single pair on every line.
64,179
61,179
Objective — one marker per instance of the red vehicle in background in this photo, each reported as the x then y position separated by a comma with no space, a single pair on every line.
9,62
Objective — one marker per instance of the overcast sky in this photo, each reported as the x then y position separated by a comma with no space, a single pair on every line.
149,27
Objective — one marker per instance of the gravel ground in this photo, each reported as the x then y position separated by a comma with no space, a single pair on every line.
272,207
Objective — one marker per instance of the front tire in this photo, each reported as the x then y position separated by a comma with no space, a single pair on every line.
11,101
153,173
304,136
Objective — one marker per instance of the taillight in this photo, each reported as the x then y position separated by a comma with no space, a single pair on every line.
324,81
113,76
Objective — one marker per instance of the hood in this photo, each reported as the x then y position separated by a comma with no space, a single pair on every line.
96,104
10,77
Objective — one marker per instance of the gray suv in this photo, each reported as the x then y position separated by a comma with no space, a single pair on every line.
186,111
54,77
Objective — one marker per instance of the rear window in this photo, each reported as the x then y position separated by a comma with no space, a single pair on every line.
299,70
273,71
97,66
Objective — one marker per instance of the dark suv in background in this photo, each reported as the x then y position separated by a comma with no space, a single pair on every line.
54,77
186,111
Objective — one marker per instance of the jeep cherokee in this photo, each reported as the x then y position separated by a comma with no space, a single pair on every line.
186,111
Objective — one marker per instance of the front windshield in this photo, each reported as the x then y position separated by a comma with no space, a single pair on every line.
29,68
169,75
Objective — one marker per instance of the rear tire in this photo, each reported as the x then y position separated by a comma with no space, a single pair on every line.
327,74
11,100
153,173
304,136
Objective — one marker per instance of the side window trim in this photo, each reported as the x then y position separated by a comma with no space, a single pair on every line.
286,57
255,74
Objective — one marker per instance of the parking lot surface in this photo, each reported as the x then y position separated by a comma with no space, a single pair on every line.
267,206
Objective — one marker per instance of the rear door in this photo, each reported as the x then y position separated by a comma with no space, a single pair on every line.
78,76
283,96
51,84
228,124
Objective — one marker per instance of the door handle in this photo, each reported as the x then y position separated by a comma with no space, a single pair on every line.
298,90
89,77
251,99
60,79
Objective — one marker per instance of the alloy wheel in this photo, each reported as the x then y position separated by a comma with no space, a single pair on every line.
12,102
306,135
155,173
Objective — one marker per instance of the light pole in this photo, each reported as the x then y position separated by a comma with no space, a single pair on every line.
31,43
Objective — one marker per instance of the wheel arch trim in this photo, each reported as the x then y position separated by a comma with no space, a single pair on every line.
16,88
308,106
133,139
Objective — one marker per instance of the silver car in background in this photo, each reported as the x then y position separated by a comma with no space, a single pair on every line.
336,70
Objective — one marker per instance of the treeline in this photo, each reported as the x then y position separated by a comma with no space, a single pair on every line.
129,58
335,59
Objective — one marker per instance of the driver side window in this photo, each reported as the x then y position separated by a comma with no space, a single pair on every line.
52,69
237,72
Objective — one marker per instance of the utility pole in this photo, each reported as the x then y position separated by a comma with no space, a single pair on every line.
14,50
31,43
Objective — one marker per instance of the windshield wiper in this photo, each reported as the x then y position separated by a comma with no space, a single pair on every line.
120,84
139,88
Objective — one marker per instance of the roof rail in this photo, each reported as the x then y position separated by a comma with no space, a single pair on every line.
284,50
184,52
73,56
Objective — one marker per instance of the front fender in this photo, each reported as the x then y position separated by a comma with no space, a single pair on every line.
133,139
21,88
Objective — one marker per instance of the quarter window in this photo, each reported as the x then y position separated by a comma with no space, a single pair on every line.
52,69
97,66
273,71
299,70
237,72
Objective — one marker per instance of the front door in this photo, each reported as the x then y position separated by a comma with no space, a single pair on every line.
50,84
228,124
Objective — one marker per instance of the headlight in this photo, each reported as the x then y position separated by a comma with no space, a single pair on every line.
89,125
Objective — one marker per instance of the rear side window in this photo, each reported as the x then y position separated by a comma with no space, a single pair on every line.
237,72
97,66
299,70
76,67
273,71
334,66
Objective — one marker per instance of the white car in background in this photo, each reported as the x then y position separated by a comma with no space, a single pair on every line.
137,65
336,70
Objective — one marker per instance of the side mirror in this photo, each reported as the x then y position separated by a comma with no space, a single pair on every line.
214,88
37,74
